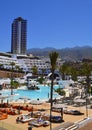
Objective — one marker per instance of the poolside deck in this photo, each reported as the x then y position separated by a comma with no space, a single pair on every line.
68,119
64,125
1,128
87,127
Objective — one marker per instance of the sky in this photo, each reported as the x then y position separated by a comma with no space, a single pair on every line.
50,23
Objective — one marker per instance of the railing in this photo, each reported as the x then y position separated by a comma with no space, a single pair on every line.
7,126
80,123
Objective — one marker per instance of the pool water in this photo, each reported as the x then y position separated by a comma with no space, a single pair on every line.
43,93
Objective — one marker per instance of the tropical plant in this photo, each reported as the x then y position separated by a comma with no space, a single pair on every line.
12,76
43,71
1,66
40,80
53,59
17,67
65,69
35,70
86,71
60,91
15,84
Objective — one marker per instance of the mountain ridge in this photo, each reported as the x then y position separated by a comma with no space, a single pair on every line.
75,53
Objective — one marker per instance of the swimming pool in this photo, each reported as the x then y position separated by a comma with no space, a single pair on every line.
43,93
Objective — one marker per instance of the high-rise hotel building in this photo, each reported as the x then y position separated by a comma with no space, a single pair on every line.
19,36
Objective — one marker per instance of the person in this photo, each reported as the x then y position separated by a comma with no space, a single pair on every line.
38,99
17,120
55,100
19,109
12,110
21,117
48,95
32,112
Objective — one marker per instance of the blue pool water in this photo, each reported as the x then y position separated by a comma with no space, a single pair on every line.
43,93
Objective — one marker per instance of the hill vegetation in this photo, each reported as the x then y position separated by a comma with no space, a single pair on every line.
71,54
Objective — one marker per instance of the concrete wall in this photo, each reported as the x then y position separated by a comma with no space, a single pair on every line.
8,74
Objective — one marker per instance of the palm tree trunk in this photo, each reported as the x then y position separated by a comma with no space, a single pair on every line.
51,97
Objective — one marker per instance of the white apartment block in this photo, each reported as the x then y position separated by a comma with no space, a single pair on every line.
6,62
26,63
42,64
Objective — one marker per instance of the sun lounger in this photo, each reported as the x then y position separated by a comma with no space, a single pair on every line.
37,114
39,122
46,123
25,118
3,116
73,112
56,119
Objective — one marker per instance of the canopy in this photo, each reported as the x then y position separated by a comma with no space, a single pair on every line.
58,106
4,96
79,100
36,102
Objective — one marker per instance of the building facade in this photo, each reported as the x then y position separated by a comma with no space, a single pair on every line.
19,36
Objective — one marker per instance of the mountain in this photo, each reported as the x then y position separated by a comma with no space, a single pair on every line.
76,53
41,51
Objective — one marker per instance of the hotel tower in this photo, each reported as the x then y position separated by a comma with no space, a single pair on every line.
19,36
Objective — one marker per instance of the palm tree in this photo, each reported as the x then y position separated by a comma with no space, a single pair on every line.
86,71
35,70
1,66
53,59
17,67
12,69
62,70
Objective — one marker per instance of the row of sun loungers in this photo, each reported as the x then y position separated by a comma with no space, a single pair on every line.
10,111
72,112
28,108
37,122
3,116
38,118
32,119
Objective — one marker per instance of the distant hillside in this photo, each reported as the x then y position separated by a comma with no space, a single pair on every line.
76,53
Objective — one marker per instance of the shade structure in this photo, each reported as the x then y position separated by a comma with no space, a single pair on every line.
58,106
25,99
90,97
36,102
2,97
79,100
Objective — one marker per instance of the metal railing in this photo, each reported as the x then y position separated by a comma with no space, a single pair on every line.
80,124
